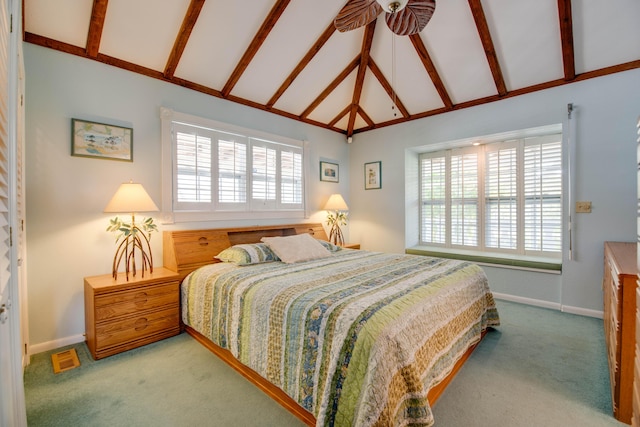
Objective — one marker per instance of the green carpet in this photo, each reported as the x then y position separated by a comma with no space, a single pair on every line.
539,368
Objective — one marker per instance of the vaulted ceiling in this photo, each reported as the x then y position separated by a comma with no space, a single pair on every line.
285,56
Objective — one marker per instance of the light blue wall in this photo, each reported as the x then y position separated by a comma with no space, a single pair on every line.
606,111
66,237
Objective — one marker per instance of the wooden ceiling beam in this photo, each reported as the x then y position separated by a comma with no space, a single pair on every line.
387,87
365,54
128,66
334,84
276,12
340,115
189,21
324,37
566,36
487,43
96,24
365,116
423,54
632,65
148,72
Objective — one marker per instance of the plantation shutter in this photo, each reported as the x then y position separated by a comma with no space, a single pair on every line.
291,178
464,198
232,172
433,207
193,166
501,197
543,194
263,175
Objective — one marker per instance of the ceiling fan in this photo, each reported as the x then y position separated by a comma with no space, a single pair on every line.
404,17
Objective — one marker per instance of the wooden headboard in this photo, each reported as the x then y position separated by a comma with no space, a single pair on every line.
186,250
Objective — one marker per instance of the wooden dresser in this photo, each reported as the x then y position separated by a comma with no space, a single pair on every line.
619,287
121,315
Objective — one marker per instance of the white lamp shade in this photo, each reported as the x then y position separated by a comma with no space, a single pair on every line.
131,198
336,203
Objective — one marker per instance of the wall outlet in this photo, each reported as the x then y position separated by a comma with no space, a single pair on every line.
583,207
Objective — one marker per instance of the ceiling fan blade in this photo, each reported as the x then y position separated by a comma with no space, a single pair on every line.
356,13
412,19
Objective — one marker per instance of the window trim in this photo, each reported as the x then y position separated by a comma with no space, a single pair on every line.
490,256
169,216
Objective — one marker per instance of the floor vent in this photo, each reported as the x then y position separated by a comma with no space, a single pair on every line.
65,360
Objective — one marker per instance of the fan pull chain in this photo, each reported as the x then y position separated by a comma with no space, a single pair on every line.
393,75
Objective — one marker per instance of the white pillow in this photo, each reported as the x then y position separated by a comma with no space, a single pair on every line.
301,247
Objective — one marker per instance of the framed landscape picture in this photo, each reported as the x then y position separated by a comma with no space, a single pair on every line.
100,140
329,172
372,175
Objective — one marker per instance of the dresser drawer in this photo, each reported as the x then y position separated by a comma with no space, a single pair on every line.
133,328
119,304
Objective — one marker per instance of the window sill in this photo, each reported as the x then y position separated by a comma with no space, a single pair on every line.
545,265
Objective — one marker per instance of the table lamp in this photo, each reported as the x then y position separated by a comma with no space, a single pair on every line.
132,198
336,217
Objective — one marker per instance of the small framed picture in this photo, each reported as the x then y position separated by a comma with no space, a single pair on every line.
372,175
329,172
102,141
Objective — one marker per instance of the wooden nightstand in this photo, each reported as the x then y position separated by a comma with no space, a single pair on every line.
121,315
351,245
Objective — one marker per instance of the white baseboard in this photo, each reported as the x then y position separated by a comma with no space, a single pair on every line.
583,311
552,305
52,345
528,301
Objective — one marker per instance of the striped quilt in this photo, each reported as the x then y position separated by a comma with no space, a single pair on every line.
357,339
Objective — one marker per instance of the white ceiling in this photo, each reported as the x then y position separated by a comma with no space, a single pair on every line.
526,36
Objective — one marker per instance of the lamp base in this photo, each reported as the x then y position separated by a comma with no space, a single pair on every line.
127,250
335,235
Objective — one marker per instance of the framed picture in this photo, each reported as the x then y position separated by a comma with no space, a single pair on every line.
100,140
372,175
329,172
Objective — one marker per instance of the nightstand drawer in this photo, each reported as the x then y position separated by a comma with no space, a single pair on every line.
130,329
127,302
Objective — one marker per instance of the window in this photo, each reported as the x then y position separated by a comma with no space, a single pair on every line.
231,172
499,197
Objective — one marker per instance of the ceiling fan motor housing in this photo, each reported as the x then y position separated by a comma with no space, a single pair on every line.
392,6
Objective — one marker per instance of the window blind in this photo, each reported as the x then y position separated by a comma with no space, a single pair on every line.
434,219
219,171
504,196
501,198
263,177
464,199
543,196
291,180
232,172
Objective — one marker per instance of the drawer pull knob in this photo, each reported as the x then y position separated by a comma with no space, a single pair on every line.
141,324
203,241
141,299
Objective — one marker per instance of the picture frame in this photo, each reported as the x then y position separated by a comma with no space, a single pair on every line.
329,172
101,140
373,175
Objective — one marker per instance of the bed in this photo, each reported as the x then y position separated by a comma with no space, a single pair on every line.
346,338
